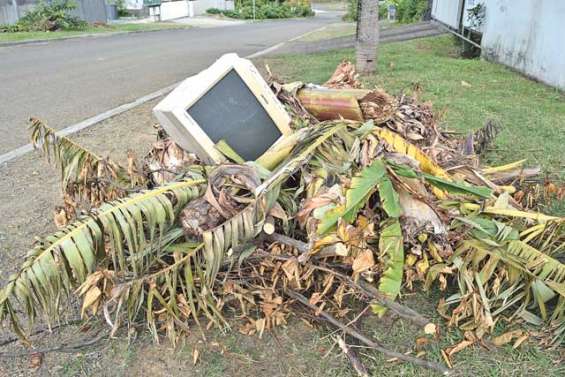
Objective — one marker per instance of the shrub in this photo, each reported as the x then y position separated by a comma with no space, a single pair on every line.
51,17
407,11
214,11
268,10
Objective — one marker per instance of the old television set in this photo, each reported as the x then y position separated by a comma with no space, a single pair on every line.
230,102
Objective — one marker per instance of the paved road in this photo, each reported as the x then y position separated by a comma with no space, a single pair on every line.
64,82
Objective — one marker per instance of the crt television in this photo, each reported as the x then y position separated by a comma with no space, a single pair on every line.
228,101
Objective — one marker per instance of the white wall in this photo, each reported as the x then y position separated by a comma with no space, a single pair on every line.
174,9
200,6
528,36
447,11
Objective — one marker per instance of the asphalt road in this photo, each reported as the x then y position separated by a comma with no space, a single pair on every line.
65,82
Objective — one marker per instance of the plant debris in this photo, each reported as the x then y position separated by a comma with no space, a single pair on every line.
349,209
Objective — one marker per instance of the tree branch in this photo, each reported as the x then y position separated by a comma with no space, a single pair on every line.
369,342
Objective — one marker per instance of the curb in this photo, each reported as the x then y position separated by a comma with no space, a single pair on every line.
90,35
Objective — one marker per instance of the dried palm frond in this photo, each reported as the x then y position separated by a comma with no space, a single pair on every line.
85,176
378,105
344,76
166,161
116,234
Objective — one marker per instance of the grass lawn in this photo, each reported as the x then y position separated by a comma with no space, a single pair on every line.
38,35
533,115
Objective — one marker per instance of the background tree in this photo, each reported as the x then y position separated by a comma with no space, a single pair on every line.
367,39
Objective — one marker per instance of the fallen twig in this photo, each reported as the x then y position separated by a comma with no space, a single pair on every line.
399,309
352,356
362,338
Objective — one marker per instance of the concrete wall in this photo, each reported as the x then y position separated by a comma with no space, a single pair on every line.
88,10
200,6
183,8
174,9
447,11
527,36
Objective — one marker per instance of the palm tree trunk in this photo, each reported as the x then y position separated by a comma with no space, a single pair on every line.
367,36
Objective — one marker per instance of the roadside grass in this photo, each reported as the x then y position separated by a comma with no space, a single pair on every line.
464,92
341,29
91,29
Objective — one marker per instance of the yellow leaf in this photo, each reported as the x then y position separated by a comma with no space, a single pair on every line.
502,168
411,259
521,214
427,165
423,265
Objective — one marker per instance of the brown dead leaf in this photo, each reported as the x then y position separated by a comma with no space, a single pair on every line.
90,300
506,337
458,347
421,342
520,340
35,360
363,261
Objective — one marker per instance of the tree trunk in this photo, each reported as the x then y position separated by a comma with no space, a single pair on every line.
367,36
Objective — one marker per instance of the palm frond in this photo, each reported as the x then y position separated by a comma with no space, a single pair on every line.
84,175
400,145
63,260
522,264
392,252
363,185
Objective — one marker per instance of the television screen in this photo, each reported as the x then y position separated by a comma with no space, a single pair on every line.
230,111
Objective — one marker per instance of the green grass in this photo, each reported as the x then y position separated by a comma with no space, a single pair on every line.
533,115
125,28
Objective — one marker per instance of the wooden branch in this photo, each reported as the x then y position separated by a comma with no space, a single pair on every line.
353,359
399,309
269,225
367,341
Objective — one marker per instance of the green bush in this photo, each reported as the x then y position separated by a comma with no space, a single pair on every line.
213,11
265,10
407,11
351,14
50,17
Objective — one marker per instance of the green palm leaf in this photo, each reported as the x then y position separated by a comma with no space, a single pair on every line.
363,185
392,251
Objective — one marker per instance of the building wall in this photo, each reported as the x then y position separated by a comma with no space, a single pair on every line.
88,10
174,9
527,36
200,6
447,12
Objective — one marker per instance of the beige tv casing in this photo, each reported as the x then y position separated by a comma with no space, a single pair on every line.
172,113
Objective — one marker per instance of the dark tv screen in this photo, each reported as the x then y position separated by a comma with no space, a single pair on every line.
230,111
